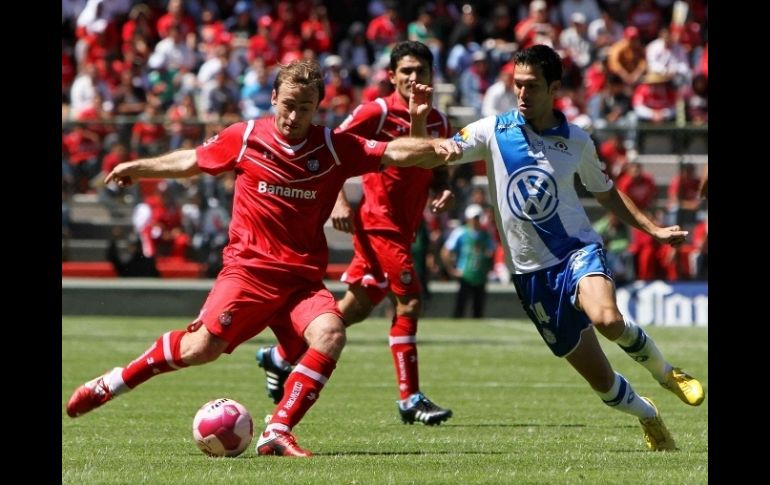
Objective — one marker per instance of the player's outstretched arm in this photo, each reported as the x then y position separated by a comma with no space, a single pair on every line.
421,152
619,203
176,164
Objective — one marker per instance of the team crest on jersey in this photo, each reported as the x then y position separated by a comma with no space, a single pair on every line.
406,277
371,143
313,165
225,318
560,146
578,260
532,194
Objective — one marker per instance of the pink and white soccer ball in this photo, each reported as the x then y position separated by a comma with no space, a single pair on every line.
222,427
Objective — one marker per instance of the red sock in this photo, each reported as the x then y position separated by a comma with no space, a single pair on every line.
303,386
403,346
162,356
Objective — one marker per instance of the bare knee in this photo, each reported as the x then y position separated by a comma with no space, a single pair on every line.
200,347
608,321
327,334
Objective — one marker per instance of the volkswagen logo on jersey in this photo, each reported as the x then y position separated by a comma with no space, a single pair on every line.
313,165
225,318
532,195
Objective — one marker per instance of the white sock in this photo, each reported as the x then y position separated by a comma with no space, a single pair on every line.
640,346
114,380
278,360
622,397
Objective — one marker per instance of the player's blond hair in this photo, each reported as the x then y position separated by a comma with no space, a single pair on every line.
302,73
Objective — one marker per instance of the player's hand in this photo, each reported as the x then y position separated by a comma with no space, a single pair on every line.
450,149
342,217
443,202
672,235
123,175
420,100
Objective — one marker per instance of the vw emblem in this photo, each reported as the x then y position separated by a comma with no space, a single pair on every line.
532,194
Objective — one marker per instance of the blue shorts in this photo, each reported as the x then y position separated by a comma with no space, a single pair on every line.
548,297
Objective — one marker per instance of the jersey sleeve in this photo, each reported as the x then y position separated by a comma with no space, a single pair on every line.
357,155
590,170
220,152
363,121
475,139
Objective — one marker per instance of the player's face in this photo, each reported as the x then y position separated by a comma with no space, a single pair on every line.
408,69
294,109
533,96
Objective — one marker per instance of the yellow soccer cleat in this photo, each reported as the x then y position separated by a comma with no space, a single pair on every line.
656,435
686,387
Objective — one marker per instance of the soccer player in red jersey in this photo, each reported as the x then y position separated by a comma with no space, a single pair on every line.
384,227
288,173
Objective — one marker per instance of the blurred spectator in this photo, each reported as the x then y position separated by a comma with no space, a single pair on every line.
175,16
654,100
626,58
647,17
697,100
467,254
666,55
317,31
135,264
498,31
638,185
129,96
357,54
184,123
612,152
385,29
82,148
474,82
500,97
616,236
148,137
256,94
684,196
536,29
575,42
589,9
421,30
380,87
595,75
700,241
612,107
647,253
604,31
84,89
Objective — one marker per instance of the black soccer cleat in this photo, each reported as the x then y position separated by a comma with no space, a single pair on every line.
275,377
423,410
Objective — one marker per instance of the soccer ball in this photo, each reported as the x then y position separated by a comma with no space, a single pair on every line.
222,427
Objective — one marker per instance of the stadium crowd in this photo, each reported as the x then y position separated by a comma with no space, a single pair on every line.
142,78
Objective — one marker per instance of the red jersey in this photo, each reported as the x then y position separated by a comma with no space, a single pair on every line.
284,193
394,197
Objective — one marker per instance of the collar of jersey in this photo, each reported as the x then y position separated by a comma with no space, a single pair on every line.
562,129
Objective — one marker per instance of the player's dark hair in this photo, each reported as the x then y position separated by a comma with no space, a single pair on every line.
410,48
301,73
543,57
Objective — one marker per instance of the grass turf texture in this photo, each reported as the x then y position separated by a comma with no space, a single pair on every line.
521,415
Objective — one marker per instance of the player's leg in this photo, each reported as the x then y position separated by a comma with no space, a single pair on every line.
172,351
596,297
588,359
325,336
278,360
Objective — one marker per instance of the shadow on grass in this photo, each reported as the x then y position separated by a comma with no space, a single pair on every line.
408,453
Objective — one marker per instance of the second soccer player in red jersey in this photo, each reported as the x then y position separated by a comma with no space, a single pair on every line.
287,176
384,227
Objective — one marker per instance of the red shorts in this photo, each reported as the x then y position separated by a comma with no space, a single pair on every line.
382,262
243,302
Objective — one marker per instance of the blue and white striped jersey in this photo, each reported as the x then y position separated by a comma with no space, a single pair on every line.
531,179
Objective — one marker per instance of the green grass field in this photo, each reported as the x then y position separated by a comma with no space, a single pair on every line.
521,415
